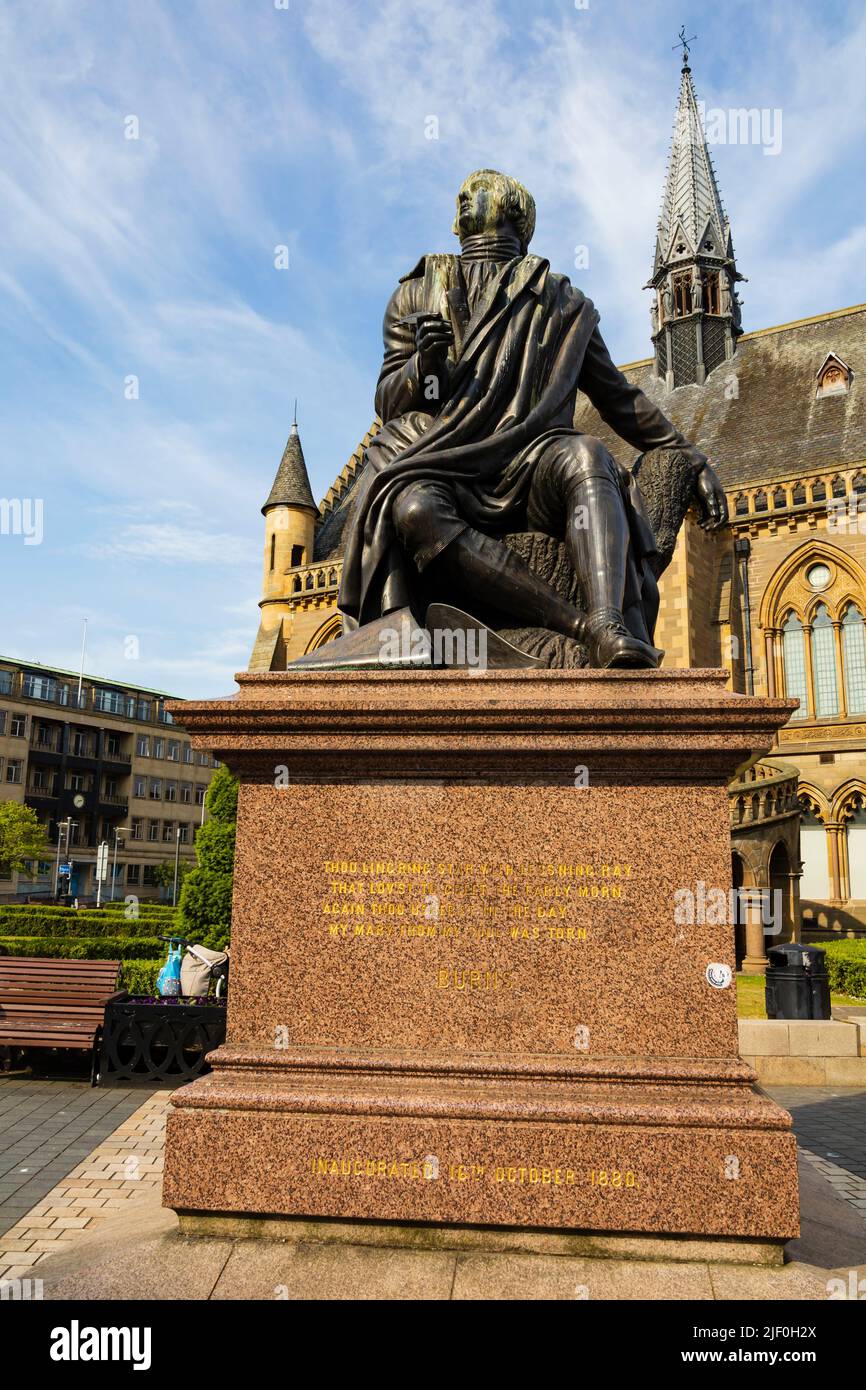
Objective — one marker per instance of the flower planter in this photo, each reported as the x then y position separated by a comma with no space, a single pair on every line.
150,1039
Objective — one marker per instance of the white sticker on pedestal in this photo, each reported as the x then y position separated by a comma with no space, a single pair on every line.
718,975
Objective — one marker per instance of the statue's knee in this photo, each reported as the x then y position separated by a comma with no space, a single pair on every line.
414,513
587,457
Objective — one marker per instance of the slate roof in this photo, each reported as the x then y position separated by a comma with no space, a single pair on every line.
292,484
757,416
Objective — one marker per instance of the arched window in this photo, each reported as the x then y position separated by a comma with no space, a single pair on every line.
273,549
819,491
824,664
780,498
760,500
854,660
794,656
815,883
741,505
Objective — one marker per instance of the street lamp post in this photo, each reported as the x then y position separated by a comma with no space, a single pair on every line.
117,840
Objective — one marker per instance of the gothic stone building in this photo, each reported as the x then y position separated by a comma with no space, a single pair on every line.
778,598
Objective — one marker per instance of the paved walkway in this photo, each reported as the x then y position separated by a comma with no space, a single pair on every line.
46,1128
830,1125
100,1232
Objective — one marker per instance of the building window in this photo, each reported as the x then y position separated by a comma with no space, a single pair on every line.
682,285
150,876
183,830
142,746
168,830
186,792
153,830
273,550
156,788
824,665
13,770
854,660
159,747
203,759
135,832
171,791
200,795
2,721
133,875
140,787
794,657
297,556
188,755
173,753
712,303
18,726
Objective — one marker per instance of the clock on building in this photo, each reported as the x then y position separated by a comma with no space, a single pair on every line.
78,801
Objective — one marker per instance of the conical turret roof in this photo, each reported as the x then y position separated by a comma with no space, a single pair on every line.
692,210
292,484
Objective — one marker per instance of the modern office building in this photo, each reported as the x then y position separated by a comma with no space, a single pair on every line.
103,765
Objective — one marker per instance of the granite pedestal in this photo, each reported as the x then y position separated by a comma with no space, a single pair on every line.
465,988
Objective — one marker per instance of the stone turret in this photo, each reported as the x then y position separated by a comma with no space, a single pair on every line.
695,311
290,514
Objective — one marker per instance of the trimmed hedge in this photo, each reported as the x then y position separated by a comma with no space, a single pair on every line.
83,947
63,922
73,931
139,976
846,967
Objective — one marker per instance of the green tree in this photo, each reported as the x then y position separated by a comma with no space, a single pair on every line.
22,838
164,873
205,909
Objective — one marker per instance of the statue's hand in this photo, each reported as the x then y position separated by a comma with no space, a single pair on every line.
711,500
433,337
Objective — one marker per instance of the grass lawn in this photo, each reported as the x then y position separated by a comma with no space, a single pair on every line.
750,997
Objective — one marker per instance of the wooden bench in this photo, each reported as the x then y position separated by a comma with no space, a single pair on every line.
54,1003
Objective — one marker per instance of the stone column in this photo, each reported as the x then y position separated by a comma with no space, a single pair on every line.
755,960
770,656
842,703
810,675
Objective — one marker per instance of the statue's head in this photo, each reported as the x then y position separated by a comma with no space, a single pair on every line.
488,200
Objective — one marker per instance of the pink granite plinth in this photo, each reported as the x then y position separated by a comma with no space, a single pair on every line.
465,985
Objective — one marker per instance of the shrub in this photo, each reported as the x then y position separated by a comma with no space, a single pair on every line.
205,910
44,922
846,967
83,947
139,976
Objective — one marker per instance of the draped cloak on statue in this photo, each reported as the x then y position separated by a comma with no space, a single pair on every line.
525,340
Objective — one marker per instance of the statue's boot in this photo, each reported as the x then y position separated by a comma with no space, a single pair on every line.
599,553
485,569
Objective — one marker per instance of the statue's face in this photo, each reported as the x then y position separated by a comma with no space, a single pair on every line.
479,206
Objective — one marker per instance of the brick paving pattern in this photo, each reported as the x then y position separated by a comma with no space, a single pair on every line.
84,1163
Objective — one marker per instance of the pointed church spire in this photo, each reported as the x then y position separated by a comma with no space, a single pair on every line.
292,483
695,313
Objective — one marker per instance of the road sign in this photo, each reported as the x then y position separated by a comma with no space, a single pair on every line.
65,870
102,862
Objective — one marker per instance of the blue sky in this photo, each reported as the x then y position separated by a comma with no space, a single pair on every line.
307,127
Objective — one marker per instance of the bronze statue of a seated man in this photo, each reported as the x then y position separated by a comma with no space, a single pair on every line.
484,355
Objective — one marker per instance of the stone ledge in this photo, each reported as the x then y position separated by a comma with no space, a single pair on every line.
483,1239
775,1037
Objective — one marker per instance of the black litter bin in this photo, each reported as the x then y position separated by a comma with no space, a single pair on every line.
797,985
